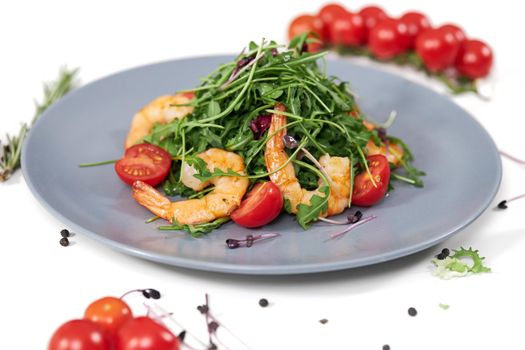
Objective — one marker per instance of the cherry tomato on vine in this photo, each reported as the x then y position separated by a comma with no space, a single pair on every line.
79,335
327,14
348,29
458,33
474,59
143,333
109,313
365,193
371,16
388,39
145,162
437,48
308,24
416,23
260,207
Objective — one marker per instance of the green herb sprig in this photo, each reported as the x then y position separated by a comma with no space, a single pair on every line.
10,152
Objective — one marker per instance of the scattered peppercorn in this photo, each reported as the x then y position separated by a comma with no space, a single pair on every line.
445,252
440,256
64,242
386,347
502,205
412,311
263,302
64,233
323,321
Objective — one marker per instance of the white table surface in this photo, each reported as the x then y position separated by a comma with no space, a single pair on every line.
44,284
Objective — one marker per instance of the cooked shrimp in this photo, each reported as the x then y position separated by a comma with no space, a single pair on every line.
159,111
337,168
395,152
220,202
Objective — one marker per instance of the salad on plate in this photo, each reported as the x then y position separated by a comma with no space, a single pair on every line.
266,133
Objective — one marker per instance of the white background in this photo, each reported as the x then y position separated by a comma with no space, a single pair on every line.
43,284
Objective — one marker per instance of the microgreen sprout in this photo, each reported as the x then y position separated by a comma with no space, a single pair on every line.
353,226
503,203
350,219
233,243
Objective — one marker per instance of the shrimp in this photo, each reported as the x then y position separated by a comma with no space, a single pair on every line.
220,202
337,168
161,110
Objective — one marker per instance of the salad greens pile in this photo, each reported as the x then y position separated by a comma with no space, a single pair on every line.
231,111
454,266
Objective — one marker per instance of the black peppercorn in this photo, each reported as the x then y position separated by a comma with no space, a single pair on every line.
412,311
64,233
263,302
64,242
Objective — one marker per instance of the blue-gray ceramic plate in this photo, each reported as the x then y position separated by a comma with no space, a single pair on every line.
461,161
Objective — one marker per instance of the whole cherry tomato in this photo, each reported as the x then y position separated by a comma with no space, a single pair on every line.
79,335
388,39
109,313
260,207
143,333
308,24
371,16
458,33
327,14
145,162
365,193
416,23
474,59
437,48
348,29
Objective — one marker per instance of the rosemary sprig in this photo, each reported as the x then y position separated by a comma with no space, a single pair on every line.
53,91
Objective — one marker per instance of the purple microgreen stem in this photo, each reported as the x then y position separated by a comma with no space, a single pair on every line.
352,226
147,293
242,66
233,243
514,159
350,219
389,121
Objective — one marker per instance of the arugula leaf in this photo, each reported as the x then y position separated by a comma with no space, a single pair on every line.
306,214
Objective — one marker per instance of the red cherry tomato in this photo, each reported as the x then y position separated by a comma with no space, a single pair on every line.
458,33
348,29
474,59
79,335
365,193
416,24
145,162
327,14
189,94
437,48
109,313
308,24
389,38
371,16
143,333
261,206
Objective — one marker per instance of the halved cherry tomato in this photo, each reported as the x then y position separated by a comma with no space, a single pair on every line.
109,313
145,162
474,59
308,24
143,333
416,23
371,15
437,48
327,14
79,335
348,29
388,39
365,194
261,206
